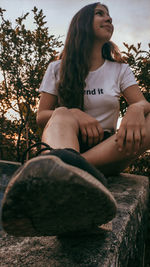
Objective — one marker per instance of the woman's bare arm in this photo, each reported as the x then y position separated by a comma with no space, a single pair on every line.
47,105
134,96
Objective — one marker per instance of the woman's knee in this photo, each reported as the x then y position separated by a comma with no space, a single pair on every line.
62,116
59,112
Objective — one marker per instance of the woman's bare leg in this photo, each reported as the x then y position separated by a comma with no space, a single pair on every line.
62,130
108,159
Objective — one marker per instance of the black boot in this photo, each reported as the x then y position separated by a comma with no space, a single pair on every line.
56,193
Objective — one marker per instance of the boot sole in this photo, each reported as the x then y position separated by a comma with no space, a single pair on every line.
49,197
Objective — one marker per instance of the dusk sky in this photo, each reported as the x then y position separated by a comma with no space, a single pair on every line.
131,18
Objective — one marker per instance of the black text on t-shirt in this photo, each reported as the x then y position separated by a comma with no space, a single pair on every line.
94,91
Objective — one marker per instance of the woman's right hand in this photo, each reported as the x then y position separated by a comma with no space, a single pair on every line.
90,129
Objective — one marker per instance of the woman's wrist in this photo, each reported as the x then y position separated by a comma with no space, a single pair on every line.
144,106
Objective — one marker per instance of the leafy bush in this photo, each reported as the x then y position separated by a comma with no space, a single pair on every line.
24,56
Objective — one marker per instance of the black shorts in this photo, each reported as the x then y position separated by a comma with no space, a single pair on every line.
84,147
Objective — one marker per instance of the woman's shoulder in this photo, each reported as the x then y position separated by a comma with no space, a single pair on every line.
117,68
53,69
55,64
117,65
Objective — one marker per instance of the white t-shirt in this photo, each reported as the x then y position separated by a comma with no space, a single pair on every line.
102,91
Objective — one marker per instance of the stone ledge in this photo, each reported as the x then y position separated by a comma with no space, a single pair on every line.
123,246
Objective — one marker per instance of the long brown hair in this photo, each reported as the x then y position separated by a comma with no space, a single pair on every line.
75,58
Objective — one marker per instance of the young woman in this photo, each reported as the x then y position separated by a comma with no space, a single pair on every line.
89,86
79,106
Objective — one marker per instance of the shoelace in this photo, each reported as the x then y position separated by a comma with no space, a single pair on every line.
47,147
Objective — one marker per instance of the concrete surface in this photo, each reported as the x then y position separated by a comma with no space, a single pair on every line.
121,247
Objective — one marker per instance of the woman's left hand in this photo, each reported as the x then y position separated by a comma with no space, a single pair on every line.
132,131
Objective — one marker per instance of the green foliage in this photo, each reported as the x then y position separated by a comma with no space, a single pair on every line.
139,61
24,56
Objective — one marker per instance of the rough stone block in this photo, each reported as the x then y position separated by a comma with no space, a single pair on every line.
123,246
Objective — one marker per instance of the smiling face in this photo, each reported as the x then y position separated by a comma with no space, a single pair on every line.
102,24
